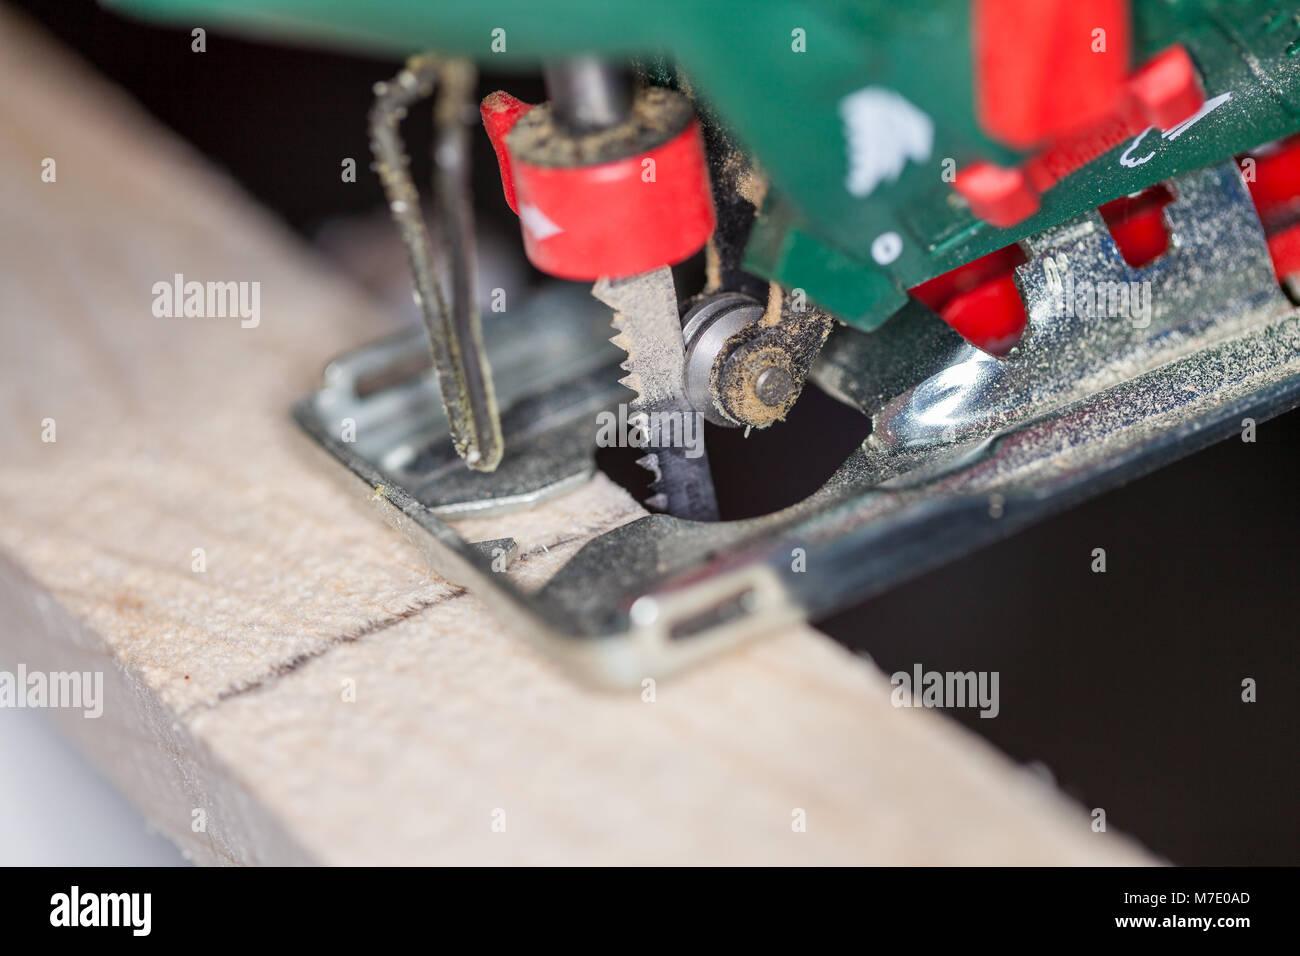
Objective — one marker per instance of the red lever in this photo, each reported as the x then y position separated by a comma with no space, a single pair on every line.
1165,91
1048,68
500,112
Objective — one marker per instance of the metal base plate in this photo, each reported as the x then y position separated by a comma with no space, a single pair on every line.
965,448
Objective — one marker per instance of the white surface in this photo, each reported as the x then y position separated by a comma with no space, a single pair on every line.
56,810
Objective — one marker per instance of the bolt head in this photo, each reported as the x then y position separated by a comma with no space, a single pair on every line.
773,386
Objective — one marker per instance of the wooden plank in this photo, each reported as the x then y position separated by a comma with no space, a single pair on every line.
225,688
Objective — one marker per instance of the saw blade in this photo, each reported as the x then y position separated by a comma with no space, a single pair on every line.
670,430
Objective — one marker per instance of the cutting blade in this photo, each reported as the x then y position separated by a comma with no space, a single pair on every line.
668,428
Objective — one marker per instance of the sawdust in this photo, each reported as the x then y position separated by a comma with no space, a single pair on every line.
785,338
744,177
658,115
775,303
752,186
739,398
712,266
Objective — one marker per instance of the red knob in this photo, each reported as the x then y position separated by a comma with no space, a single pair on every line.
616,218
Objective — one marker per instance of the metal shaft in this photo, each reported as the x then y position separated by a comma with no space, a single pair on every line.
588,94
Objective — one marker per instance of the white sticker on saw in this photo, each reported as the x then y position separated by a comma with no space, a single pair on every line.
1178,129
537,223
883,131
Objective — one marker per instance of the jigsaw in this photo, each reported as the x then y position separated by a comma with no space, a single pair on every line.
1043,246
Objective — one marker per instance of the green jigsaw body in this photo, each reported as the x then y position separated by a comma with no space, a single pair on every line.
783,106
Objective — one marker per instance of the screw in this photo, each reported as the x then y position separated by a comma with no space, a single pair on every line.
773,386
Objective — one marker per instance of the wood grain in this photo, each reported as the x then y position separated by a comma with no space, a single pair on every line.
225,688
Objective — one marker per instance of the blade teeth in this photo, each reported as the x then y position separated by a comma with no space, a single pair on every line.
658,501
651,464
631,380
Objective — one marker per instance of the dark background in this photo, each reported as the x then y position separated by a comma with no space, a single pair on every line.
1125,686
